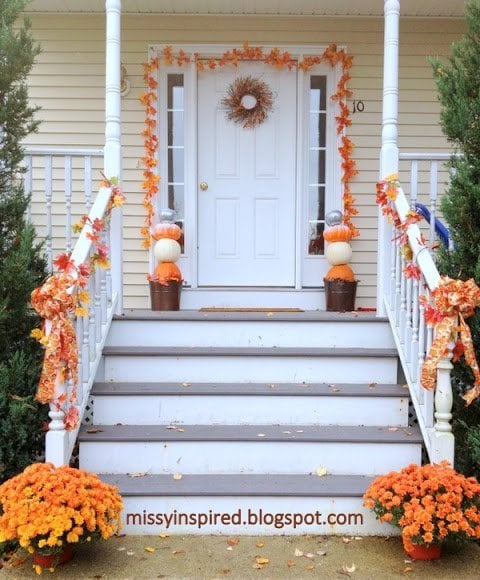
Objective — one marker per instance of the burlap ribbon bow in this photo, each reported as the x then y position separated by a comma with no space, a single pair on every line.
453,301
53,302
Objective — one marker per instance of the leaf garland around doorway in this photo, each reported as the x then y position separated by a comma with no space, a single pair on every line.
248,101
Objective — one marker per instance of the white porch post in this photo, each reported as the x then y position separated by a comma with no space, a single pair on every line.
389,151
113,152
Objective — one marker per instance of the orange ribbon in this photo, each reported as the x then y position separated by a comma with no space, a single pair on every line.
453,301
53,302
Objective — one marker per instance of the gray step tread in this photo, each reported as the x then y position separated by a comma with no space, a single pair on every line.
240,485
259,433
301,316
179,351
250,389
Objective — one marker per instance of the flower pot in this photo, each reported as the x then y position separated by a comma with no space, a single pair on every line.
165,296
53,560
340,295
421,551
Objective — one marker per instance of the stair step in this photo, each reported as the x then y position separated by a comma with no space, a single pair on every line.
235,329
247,364
246,504
257,403
247,448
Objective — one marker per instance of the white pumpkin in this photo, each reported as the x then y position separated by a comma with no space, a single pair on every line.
166,250
338,253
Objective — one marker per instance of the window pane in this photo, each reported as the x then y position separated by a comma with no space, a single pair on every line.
315,241
318,126
175,92
316,203
175,129
176,200
318,86
175,165
317,167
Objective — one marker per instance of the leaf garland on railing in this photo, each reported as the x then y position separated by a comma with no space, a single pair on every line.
275,58
60,299
452,300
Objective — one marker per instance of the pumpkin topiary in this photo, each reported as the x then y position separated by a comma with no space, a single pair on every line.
166,229
341,272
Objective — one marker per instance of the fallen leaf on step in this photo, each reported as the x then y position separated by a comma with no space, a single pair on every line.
405,386
298,553
164,536
118,424
310,567
94,430
408,569
177,476
287,432
260,434
271,386
177,552
149,549
142,474
358,538
299,431
180,430
186,384
259,544
269,313
346,540
261,561
121,549
309,555
171,427
321,553
130,552
291,563
321,471
224,570
233,541
393,429
372,385
349,569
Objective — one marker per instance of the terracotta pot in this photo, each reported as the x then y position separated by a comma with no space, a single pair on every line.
165,296
421,551
53,560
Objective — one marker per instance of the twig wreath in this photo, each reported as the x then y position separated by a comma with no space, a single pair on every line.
275,58
248,101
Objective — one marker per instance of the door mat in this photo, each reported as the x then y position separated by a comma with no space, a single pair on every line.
208,309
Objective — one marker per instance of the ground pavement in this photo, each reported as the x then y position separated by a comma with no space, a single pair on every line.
244,558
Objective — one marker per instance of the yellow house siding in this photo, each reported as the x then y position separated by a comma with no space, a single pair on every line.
68,83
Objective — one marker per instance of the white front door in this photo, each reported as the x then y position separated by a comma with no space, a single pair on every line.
246,184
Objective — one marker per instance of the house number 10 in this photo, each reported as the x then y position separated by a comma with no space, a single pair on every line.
358,106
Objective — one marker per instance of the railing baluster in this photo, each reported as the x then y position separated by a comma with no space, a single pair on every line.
48,199
87,181
433,200
415,330
68,202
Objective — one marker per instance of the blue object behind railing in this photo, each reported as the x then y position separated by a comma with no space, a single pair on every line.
440,229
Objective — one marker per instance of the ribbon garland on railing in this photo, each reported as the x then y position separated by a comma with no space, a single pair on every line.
54,302
59,300
277,59
453,301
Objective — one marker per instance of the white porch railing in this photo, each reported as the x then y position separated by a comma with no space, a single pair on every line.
407,317
61,183
91,333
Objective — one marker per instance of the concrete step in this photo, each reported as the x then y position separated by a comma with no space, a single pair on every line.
257,449
246,504
242,329
244,364
252,403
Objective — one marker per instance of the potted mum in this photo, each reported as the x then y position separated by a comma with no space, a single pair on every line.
48,509
431,504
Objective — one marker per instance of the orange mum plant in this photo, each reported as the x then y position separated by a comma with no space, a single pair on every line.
45,508
430,503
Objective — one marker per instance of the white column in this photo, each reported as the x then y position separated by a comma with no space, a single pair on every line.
389,151
113,151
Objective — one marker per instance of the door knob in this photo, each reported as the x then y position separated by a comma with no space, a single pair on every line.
204,186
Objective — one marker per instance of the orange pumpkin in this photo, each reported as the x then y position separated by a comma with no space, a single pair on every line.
166,271
340,233
342,272
166,230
